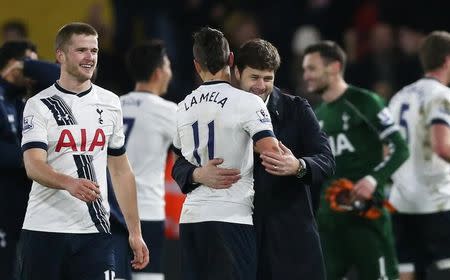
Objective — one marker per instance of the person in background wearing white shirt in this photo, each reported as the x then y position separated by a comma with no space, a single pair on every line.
421,187
150,127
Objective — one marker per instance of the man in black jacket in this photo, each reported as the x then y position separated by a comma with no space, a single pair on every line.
288,243
20,74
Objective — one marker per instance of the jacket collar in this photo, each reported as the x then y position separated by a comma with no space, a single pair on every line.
275,106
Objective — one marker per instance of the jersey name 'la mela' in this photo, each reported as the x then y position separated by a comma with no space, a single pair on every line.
209,97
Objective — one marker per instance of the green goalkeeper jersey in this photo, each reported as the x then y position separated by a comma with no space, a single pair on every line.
358,126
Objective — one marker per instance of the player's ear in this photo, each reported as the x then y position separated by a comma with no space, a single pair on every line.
231,59
237,74
156,74
447,61
197,66
334,67
60,57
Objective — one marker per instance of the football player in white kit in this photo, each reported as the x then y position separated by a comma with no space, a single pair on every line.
421,189
150,127
71,131
218,120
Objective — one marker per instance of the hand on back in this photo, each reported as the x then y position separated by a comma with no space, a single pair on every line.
213,176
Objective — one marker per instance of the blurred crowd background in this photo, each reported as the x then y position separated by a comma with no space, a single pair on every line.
381,37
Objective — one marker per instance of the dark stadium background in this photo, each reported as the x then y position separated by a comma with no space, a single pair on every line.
380,37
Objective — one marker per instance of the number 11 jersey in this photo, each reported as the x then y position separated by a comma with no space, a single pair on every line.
219,121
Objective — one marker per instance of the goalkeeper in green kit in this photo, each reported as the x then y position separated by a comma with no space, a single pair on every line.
354,221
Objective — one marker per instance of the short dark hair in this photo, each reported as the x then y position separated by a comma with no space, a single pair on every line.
16,26
330,52
434,50
211,49
258,54
143,59
15,50
65,33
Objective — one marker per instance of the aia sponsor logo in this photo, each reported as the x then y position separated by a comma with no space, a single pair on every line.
67,140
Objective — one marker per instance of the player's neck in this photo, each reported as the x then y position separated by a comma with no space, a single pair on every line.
151,88
335,90
222,75
71,84
440,75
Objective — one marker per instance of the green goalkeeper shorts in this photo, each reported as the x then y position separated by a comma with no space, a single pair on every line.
350,241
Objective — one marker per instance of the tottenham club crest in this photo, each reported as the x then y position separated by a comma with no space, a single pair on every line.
100,120
345,119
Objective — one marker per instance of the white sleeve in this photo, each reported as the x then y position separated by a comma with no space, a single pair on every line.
171,124
256,118
116,145
34,126
439,110
393,107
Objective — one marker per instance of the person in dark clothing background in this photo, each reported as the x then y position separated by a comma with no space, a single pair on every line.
288,243
21,72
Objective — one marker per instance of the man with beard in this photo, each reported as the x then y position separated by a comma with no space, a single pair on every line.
218,120
71,132
288,245
20,72
358,126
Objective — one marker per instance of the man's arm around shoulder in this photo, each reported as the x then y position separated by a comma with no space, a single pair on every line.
317,158
189,176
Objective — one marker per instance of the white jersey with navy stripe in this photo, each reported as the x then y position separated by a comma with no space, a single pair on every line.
422,183
150,126
219,121
77,131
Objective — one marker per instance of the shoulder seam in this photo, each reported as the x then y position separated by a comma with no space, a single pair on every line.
360,114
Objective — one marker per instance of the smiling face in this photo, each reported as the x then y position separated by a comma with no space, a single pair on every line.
315,73
79,57
258,82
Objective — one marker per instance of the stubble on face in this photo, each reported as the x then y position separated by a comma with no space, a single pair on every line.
81,57
320,89
258,82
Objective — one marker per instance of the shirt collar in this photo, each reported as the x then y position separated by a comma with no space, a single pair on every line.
81,94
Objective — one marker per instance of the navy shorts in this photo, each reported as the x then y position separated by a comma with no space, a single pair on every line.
122,251
153,235
423,239
64,256
218,250
14,189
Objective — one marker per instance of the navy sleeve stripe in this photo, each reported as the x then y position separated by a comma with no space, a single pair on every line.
439,121
262,134
31,145
116,152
